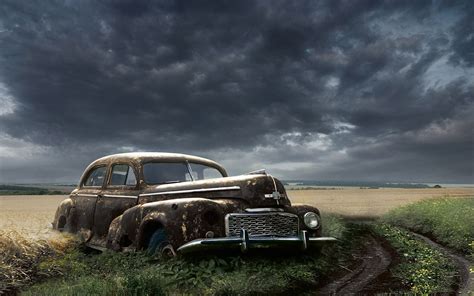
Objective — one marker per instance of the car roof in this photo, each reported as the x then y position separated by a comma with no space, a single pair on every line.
142,157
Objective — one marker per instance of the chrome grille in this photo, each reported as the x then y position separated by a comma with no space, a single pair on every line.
262,224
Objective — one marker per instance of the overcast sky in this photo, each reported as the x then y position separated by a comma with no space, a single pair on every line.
319,90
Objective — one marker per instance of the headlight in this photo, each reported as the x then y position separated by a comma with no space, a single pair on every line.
311,220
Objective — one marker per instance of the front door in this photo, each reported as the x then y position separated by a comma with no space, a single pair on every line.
119,194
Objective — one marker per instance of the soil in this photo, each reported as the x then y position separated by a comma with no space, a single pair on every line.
370,273
374,261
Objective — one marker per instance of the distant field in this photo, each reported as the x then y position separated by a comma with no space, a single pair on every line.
29,214
355,202
32,214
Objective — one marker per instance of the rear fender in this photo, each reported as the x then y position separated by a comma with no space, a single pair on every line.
64,217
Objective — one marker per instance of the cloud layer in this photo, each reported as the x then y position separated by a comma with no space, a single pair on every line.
309,89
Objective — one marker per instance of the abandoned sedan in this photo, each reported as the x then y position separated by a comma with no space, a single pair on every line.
175,203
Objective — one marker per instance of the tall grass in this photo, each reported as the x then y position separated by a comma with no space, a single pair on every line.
20,257
447,220
137,274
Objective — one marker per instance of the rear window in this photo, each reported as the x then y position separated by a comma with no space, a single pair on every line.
202,172
166,172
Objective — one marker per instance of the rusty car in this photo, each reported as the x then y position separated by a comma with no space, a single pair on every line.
170,203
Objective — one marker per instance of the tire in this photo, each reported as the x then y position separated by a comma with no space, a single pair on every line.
159,244
61,224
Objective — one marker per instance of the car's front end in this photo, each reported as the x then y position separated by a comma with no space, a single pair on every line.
250,211
267,228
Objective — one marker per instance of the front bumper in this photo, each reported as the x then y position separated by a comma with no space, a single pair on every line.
244,242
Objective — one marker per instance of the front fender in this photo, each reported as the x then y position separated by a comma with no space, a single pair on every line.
183,219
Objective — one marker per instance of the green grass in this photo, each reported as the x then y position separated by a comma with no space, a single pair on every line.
449,221
137,274
109,273
422,269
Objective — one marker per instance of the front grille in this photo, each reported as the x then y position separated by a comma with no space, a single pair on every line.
262,224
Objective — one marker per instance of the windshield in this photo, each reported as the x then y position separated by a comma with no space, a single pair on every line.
174,172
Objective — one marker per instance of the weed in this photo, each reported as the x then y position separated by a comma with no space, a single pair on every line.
423,269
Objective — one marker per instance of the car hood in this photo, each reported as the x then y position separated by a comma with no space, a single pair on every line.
255,190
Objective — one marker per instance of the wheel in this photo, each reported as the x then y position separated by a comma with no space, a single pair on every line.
159,244
61,223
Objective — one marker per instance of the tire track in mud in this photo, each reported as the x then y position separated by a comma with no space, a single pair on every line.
466,285
375,261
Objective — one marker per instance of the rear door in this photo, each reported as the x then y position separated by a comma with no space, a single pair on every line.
119,194
86,198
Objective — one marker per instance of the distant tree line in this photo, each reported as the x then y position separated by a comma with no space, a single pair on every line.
26,190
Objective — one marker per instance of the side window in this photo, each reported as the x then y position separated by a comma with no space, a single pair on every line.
131,179
122,174
96,177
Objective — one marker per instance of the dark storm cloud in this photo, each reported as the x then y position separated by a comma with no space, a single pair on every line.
463,42
314,80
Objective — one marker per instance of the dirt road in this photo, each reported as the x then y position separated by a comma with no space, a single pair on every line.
466,278
374,261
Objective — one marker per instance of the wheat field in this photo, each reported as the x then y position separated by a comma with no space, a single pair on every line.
32,214
370,203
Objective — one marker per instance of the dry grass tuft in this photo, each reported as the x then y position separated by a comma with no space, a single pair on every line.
20,257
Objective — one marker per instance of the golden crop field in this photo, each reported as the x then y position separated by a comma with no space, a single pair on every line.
32,214
370,203
29,214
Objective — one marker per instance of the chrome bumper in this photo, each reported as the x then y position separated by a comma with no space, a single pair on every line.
244,242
